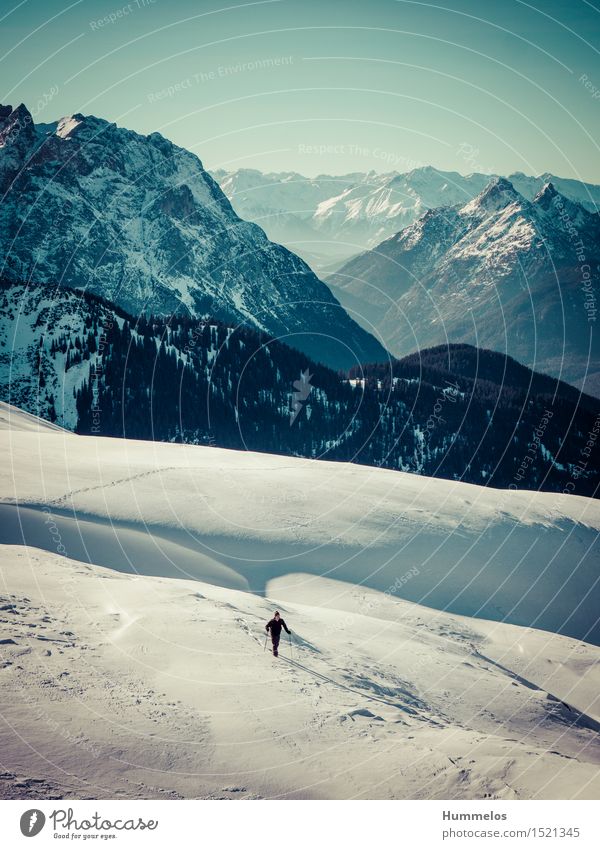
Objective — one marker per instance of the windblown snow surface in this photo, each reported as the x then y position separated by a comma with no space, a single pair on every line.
136,579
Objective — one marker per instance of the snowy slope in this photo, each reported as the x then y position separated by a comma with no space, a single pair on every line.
139,221
118,685
243,518
328,219
501,272
121,687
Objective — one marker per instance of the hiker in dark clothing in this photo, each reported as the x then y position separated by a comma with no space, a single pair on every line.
275,626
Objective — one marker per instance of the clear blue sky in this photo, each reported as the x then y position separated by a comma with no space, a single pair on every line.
319,86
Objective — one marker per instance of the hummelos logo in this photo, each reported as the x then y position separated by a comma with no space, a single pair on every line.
32,822
303,389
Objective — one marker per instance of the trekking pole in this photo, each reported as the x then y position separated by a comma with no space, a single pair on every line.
291,647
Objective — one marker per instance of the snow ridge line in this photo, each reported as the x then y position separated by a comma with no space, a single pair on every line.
388,703
581,719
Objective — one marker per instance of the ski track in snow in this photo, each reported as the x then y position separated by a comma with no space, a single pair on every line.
68,496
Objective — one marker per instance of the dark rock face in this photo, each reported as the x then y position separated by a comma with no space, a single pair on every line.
138,220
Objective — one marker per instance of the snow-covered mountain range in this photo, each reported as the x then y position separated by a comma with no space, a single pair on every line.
327,219
500,272
138,578
139,221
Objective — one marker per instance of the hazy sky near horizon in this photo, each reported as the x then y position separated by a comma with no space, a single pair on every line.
318,86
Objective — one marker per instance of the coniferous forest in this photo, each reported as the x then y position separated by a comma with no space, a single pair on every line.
456,412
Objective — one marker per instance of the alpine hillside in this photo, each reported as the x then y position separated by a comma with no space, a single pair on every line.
499,272
452,412
138,220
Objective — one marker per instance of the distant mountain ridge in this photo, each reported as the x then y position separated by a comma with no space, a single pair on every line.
327,219
139,221
499,272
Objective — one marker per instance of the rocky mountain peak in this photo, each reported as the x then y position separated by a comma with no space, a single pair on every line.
16,126
137,220
546,194
498,193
